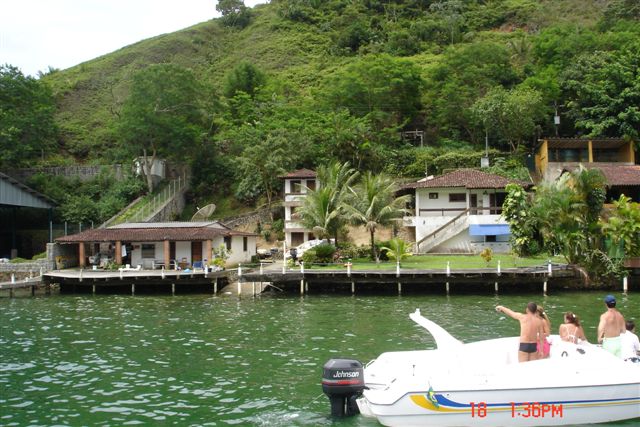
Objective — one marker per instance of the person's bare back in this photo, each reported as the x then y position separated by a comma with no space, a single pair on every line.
611,324
531,332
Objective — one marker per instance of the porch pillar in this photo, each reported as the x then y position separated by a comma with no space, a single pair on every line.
81,254
167,254
590,146
208,248
118,252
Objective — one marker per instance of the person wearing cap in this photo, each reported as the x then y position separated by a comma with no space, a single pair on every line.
611,326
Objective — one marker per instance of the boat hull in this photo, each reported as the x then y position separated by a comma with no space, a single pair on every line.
512,407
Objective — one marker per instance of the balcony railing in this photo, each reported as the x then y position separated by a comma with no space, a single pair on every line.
489,210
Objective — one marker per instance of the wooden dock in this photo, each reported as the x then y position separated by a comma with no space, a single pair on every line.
323,279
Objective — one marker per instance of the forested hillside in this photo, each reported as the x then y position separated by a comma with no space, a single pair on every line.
296,83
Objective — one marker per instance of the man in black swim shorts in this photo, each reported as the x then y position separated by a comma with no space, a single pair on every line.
531,332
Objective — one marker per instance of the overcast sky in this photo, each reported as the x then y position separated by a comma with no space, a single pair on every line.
36,34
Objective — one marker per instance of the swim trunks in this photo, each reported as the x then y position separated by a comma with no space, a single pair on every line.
613,345
528,347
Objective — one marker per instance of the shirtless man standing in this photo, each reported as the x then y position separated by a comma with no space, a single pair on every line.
611,325
531,332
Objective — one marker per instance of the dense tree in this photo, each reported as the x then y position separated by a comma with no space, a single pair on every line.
463,75
383,88
323,208
162,115
623,226
245,77
234,13
511,115
604,92
27,126
373,204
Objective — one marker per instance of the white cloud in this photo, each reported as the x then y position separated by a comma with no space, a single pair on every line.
35,34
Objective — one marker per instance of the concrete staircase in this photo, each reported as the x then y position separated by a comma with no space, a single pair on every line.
452,228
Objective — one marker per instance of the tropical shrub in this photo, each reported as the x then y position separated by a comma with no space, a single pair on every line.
397,249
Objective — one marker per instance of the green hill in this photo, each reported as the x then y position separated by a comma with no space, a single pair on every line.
310,81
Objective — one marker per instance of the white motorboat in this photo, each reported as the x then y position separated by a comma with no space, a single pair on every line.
482,384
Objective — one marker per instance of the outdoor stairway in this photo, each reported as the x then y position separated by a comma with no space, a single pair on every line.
452,228
144,209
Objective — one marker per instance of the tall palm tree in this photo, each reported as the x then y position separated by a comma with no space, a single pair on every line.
373,204
322,210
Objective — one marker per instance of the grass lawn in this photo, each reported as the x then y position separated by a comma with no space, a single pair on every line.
456,261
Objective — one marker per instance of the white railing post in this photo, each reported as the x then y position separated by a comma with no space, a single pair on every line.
448,269
549,270
499,272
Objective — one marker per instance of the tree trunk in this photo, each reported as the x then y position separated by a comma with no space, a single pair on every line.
374,253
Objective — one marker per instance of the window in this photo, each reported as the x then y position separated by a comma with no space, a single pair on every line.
457,197
148,251
227,242
489,239
311,184
245,243
296,186
433,195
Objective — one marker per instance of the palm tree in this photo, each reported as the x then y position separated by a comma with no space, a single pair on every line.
322,210
398,249
373,204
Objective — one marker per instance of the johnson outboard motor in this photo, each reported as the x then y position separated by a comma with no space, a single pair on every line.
343,382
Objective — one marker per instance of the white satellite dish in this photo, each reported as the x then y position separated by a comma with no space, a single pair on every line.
204,213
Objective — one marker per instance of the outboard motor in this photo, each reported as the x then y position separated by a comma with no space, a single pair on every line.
343,382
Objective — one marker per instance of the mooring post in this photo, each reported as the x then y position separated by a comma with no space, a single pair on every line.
80,278
625,285
353,287
133,289
499,269
215,286
549,269
13,278
162,272
447,288
544,287
120,274
349,268
173,289
239,279
253,288
448,270
302,280
496,286
261,269
397,268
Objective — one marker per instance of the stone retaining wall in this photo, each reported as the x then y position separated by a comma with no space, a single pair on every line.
84,173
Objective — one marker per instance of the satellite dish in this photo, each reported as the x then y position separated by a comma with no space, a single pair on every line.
204,213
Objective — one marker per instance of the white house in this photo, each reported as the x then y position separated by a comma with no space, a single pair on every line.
164,243
296,184
459,211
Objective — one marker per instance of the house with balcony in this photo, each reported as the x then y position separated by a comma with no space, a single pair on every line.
296,184
616,158
459,212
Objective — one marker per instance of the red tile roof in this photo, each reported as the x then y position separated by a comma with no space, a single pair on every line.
618,175
300,173
466,178
181,232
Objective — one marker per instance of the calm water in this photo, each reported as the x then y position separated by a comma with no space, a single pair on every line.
203,360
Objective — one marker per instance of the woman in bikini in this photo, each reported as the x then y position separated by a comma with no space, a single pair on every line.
546,326
570,330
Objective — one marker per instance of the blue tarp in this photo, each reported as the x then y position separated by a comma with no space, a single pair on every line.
489,229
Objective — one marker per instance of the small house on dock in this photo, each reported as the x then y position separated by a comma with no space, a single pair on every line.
161,244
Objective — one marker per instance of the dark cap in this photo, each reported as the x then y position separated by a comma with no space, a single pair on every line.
609,299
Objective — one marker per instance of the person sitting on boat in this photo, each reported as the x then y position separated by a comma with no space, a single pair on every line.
531,332
610,327
571,330
546,326
630,343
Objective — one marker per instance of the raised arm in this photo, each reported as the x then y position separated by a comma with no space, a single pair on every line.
509,312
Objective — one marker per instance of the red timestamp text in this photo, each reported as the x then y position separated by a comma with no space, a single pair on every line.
523,409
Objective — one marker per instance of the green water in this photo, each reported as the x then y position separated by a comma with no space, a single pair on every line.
203,360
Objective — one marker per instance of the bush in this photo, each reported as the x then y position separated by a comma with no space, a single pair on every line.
324,252
486,255
381,248
309,257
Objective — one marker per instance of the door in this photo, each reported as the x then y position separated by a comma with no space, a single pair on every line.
196,252
473,204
